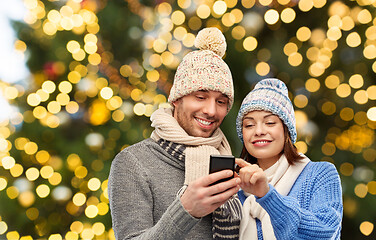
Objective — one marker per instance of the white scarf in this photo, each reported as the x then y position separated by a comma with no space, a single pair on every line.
282,176
198,149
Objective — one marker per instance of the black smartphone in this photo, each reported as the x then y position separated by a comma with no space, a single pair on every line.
221,162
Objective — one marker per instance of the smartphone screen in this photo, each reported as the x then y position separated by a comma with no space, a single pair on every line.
221,162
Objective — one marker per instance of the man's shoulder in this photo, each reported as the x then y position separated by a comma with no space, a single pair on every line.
142,146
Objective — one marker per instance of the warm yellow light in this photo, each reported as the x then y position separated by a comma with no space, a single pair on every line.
371,114
94,184
248,3
32,174
8,162
72,107
49,86
178,17
288,15
334,33
139,109
343,90
371,92
250,43
79,199
364,16
164,9
91,211
328,149
328,108
332,81
203,11
98,228
295,59
347,23
33,99
369,51
30,148
79,55
238,32
301,101
189,40
361,190
219,7
53,107
346,114
46,172
346,169
271,16
312,85
356,81
42,190
3,185
49,28
303,34
90,47
73,46
353,39
366,228
55,179
80,172
106,93
361,97
371,33
305,5
262,68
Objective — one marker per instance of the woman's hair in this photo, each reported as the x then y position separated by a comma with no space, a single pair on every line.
289,150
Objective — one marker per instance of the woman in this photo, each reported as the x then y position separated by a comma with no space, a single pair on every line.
284,194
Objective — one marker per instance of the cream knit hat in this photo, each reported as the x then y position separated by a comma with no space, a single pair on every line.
204,69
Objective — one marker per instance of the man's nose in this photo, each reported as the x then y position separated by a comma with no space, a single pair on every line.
210,107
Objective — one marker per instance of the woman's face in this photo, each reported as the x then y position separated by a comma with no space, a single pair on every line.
263,137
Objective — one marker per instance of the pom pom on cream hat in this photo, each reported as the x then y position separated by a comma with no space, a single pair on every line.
204,69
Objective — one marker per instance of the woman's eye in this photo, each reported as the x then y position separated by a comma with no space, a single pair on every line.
270,123
200,97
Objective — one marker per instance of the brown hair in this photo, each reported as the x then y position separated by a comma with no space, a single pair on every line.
289,150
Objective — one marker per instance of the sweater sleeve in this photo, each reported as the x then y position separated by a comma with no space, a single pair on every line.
317,211
131,204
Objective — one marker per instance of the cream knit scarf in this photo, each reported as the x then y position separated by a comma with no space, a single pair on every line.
282,176
198,149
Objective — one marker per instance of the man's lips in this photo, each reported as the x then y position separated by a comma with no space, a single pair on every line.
204,123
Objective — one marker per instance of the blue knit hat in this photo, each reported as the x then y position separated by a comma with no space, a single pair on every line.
269,95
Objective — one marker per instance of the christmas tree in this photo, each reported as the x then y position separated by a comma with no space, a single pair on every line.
100,68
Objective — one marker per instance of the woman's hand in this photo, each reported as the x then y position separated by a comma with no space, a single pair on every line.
254,180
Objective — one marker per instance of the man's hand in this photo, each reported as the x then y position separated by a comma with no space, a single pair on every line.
254,180
201,199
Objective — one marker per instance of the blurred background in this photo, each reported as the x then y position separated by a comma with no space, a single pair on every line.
79,80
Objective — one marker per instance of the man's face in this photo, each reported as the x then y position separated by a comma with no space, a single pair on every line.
201,113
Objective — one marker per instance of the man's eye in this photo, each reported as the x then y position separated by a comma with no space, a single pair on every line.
200,97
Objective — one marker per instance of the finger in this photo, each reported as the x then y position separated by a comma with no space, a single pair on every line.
213,177
223,186
224,196
255,177
241,163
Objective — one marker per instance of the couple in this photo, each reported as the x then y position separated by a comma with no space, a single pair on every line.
160,188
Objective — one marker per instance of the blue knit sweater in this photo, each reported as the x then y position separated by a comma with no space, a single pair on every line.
311,210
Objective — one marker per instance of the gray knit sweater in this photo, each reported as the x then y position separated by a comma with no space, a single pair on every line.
142,188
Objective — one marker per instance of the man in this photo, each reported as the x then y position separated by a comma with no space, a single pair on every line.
159,188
